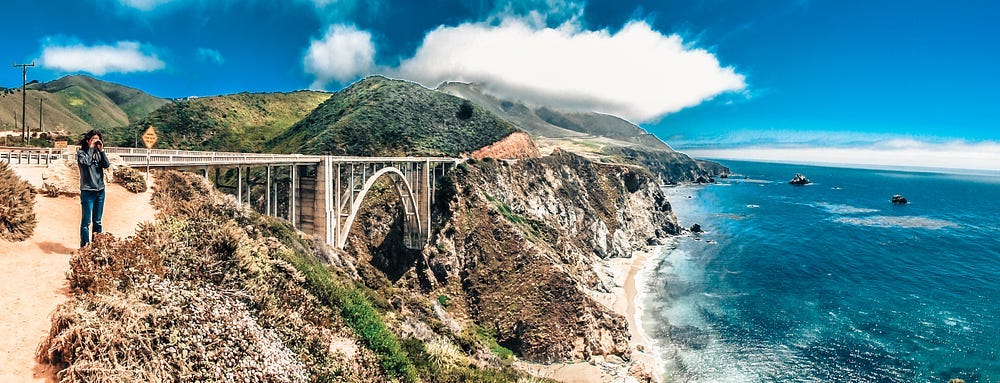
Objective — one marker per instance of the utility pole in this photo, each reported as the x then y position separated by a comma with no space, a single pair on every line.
24,81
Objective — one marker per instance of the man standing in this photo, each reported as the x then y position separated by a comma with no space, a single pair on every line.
92,162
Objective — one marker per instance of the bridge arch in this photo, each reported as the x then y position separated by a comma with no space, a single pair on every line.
411,225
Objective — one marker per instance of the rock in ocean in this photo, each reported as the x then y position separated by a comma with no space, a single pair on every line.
899,200
799,179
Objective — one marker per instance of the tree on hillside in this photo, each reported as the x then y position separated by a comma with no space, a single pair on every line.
465,110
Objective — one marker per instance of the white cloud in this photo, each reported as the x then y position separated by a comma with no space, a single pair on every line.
143,5
343,54
539,13
122,57
636,73
210,55
893,153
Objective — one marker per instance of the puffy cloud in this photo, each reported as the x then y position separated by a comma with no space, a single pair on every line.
342,55
210,55
122,57
893,153
636,73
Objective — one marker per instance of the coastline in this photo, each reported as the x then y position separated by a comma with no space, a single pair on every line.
626,298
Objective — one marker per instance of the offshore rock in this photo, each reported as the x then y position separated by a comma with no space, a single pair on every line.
696,228
899,200
799,179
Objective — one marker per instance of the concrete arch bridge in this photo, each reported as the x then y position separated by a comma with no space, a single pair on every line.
321,195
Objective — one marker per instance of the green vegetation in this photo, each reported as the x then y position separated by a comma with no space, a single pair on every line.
101,104
531,226
382,117
444,300
359,314
17,206
238,122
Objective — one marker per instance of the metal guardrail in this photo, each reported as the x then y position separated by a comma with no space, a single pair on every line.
29,156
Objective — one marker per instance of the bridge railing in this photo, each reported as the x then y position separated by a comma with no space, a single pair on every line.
180,158
29,156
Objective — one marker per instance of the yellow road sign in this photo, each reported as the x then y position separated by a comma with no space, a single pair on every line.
149,137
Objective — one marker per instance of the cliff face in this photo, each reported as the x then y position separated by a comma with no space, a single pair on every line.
515,146
518,244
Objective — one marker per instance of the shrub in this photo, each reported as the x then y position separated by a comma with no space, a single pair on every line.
197,296
17,206
444,300
131,179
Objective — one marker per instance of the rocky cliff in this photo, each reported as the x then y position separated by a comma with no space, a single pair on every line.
514,146
517,249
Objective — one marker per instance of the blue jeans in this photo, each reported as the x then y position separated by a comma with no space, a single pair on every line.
92,202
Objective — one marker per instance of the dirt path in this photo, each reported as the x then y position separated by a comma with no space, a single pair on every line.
33,272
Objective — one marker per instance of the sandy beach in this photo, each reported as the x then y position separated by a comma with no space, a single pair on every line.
33,272
625,299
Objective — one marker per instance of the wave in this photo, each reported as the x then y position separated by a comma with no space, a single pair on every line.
906,222
843,209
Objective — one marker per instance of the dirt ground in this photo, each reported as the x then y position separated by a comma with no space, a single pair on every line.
33,272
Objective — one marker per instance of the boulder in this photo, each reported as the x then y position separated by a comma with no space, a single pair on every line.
899,200
799,179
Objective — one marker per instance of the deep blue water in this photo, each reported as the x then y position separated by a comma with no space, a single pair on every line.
830,282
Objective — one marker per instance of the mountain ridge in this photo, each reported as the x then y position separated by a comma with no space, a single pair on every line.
76,104
235,122
378,116
596,136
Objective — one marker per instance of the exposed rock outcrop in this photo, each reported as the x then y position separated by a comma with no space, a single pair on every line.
517,145
799,179
899,200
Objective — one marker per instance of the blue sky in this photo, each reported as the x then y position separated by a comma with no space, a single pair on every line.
716,78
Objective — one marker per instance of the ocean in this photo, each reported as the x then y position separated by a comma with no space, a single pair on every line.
830,282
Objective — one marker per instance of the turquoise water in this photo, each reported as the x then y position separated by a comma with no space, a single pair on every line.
830,282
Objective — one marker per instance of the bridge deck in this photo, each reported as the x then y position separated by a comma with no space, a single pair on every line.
166,158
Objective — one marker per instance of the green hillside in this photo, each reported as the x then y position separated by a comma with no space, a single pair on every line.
383,117
99,103
76,104
236,122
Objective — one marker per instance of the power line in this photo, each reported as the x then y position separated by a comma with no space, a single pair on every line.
24,107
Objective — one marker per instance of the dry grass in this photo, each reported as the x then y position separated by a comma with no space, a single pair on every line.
130,178
200,295
17,206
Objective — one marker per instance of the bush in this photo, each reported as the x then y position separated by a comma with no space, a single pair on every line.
17,206
131,179
199,295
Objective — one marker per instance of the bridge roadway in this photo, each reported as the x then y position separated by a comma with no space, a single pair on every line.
324,193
